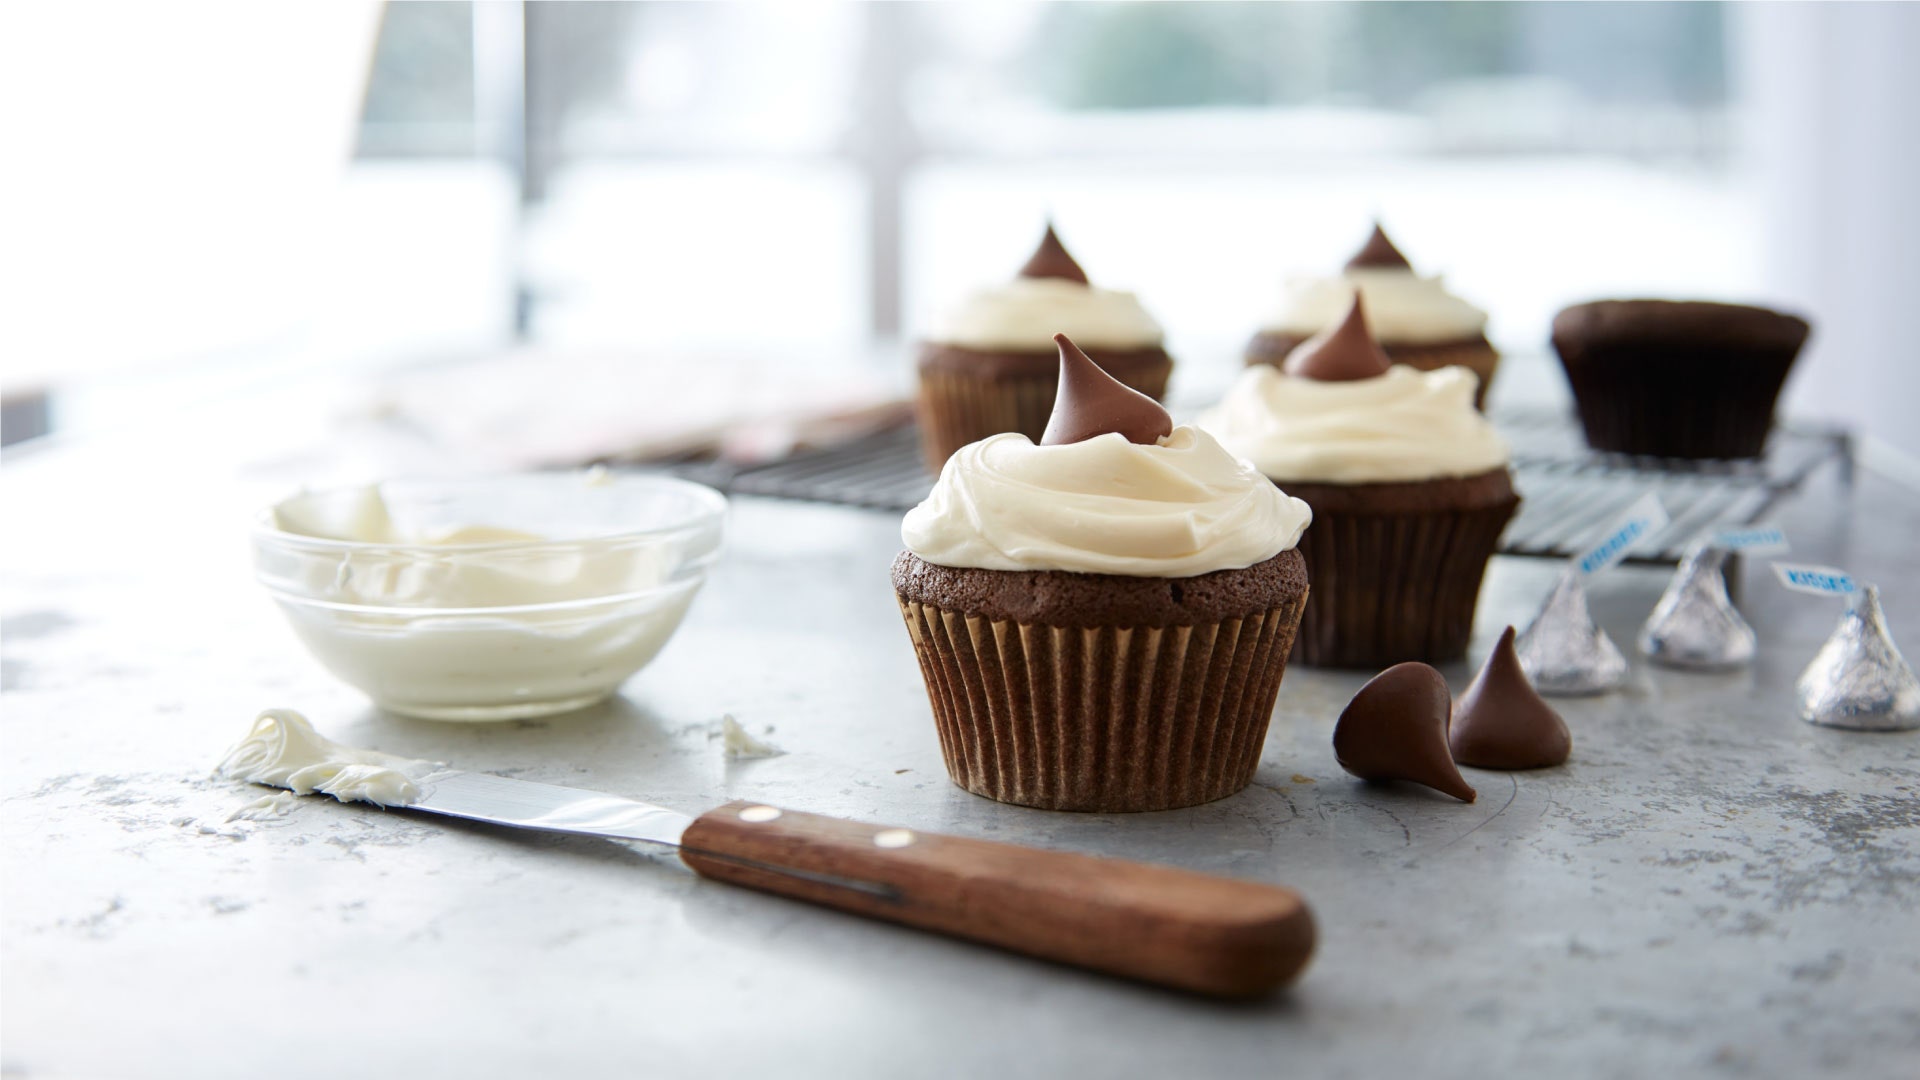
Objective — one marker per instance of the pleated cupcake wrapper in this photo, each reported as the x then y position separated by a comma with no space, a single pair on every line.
1110,719
1389,588
957,408
1692,407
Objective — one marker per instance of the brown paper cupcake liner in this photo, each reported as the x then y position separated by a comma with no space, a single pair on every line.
1476,355
1677,404
1393,587
1103,719
957,408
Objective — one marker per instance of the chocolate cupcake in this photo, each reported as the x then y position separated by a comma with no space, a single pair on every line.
1409,487
1678,379
990,366
1415,320
1102,619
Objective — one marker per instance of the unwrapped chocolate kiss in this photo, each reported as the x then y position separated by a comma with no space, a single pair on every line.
1091,403
1501,723
1395,728
1050,260
1343,352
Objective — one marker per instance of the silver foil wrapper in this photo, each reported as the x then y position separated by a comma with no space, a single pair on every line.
1563,651
1858,680
1695,625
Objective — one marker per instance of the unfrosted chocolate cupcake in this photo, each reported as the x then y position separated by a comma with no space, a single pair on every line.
990,366
1409,488
1415,320
1102,619
1679,379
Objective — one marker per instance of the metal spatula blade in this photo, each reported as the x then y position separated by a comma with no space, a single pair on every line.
525,804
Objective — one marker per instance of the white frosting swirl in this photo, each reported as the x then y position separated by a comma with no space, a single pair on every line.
1404,425
1402,307
1025,313
1179,508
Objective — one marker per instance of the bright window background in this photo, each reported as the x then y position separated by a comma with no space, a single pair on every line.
1535,154
717,173
822,177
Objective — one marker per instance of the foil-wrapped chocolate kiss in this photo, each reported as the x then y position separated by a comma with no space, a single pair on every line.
1563,651
1858,680
1695,625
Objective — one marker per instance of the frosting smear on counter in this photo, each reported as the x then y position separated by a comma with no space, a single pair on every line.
739,744
283,750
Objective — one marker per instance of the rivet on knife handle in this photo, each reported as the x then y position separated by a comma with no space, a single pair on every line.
1159,924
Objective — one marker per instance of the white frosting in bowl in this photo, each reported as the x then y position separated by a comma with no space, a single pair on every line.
1402,426
396,590
1179,508
1402,307
1025,313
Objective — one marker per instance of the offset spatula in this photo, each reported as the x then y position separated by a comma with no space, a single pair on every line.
1206,934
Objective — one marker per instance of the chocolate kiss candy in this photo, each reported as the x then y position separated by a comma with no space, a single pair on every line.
1050,260
1378,253
1858,680
1395,728
1500,723
1695,625
1563,652
1091,402
1340,353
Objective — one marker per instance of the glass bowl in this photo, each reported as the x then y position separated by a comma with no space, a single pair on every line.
489,599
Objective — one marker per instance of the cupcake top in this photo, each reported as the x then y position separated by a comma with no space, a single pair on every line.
1403,308
1050,296
1112,488
1678,322
1340,412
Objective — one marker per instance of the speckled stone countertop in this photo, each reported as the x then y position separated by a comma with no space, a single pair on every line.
1710,886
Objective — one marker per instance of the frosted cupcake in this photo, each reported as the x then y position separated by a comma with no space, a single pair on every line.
1103,618
1409,487
1415,319
990,365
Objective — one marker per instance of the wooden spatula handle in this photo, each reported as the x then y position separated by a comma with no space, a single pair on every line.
1207,934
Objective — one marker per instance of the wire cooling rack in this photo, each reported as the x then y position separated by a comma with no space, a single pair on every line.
1569,492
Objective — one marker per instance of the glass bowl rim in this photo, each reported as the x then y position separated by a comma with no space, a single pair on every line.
712,510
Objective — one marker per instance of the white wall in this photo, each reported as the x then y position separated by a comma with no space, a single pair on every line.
169,170
1832,95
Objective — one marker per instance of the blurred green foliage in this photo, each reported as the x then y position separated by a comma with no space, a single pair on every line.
1171,55
1107,56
